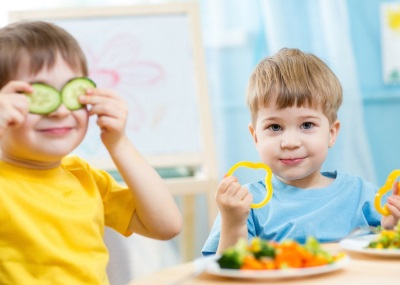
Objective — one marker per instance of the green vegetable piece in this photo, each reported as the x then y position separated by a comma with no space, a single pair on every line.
233,257
266,250
312,245
373,244
73,89
44,99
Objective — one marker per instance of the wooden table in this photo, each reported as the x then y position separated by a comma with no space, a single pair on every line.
362,269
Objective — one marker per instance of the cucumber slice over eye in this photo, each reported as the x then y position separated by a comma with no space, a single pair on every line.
73,89
44,99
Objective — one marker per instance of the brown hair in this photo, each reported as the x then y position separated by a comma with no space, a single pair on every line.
294,78
38,43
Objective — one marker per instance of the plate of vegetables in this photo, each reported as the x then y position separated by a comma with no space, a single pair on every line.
385,243
264,259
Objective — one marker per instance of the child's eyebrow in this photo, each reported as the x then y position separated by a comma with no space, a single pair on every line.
274,119
302,118
310,117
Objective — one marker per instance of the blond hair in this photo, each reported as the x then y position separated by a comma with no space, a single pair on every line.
294,78
38,43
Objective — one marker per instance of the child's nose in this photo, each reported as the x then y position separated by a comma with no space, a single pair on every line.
60,111
290,140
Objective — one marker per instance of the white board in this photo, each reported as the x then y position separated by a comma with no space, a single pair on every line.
151,56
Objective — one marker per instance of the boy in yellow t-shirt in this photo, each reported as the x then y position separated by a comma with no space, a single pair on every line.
54,206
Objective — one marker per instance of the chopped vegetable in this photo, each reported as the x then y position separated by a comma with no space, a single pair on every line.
45,99
387,239
73,89
233,257
261,254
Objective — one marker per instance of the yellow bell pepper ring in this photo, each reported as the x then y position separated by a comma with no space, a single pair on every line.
268,179
383,190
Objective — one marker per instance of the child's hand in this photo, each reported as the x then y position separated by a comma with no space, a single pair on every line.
393,204
111,111
233,201
13,105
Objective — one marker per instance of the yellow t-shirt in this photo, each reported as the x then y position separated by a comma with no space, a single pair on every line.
52,223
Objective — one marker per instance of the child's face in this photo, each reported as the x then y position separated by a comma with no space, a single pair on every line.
294,142
47,138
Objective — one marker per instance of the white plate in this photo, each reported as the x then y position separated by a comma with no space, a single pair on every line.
360,244
213,268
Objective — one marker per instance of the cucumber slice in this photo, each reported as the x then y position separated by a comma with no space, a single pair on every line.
44,99
73,89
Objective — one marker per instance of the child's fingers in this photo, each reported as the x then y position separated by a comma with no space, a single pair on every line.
394,200
107,123
111,109
95,95
99,100
393,204
225,182
105,104
248,199
13,109
14,104
233,189
396,186
17,87
242,193
233,195
18,116
395,211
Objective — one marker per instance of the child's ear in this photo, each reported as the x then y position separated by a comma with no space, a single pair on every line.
333,133
253,133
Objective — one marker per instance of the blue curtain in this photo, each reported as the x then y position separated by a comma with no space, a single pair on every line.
238,34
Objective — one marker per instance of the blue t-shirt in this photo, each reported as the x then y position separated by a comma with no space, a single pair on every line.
328,213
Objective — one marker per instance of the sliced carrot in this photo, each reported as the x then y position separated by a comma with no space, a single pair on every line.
250,262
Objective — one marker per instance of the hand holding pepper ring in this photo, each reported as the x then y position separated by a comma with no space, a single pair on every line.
383,190
268,179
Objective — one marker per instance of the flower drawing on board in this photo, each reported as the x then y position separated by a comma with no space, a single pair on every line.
118,65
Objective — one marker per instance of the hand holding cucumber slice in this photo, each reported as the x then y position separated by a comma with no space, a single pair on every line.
46,99
73,89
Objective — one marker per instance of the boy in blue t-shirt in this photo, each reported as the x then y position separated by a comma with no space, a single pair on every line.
294,98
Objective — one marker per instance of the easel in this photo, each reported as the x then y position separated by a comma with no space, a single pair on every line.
203,162
205,179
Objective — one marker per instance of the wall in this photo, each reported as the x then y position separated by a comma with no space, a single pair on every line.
381,102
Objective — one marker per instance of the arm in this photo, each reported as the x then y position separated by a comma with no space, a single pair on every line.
13,105
393,204
234,203
156,216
